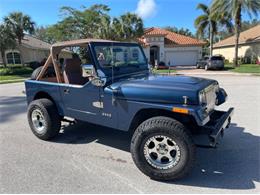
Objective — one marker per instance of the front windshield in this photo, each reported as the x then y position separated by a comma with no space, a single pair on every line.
120,56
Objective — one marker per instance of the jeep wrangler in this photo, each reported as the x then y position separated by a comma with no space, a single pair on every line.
109,83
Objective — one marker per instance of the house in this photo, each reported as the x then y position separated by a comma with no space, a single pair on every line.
171,48
31,49
249,45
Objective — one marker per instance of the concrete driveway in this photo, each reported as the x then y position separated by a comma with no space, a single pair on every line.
90,159
192,70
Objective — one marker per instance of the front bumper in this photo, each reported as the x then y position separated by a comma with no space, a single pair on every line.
214,129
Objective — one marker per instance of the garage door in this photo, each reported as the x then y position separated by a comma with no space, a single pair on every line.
181,58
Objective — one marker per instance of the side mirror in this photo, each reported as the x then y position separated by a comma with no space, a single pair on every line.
88,70
99,82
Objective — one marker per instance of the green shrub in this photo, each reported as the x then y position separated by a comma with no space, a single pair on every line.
226,61
16,70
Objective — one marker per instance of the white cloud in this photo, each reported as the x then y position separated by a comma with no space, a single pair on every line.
146,8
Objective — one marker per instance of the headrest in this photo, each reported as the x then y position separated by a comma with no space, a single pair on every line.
73,65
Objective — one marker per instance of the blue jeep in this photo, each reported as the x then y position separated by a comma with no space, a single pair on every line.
109,83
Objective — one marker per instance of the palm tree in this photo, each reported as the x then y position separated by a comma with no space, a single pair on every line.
131,26
236,8
206,23
7,40
19,25
210,22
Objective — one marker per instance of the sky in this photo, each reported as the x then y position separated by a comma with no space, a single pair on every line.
157,13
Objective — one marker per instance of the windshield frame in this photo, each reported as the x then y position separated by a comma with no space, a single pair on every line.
108,70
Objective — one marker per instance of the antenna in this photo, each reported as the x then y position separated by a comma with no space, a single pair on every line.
112,76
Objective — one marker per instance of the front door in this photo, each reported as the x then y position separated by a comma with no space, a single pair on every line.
82,102
154,55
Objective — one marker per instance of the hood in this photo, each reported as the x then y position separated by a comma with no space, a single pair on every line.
160,88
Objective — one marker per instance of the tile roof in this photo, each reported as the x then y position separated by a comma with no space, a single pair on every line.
171,38
35,43
248,36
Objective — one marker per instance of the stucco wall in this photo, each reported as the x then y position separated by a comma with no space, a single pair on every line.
33,54
28,54
1,60
243,50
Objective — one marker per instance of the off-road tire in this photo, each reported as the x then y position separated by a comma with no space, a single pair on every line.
173,129
50,72
36,72
50,115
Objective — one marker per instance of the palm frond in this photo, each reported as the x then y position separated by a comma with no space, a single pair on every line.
203,7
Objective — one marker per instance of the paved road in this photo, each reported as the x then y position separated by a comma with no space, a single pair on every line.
89,159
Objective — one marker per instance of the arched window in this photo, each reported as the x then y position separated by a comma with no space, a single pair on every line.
13,58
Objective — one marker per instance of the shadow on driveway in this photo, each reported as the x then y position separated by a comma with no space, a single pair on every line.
235,164
11,106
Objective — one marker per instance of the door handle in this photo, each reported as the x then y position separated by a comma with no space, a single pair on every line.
66,91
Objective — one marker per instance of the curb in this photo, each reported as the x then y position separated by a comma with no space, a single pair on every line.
212,73
223,73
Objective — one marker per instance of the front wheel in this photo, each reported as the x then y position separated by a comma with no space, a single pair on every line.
162,149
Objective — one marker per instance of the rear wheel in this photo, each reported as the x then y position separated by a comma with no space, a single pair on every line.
198,66
162,149
44,119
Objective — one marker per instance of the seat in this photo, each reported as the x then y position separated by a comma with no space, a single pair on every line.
73,72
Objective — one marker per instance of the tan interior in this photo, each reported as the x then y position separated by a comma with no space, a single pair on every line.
72,72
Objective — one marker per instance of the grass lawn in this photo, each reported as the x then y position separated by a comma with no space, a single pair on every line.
14,73
244,68
164,71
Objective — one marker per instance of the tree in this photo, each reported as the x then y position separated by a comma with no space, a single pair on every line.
209,23
245,25
92,22
19,25
206,23
52,34
7,40
86,23
236,8
129,26
181,31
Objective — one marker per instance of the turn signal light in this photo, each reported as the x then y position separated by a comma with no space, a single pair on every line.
180,110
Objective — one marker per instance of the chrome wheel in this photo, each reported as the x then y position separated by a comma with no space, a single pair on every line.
38,121
162,152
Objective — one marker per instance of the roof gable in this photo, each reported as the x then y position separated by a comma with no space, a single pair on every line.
247,36
171,38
